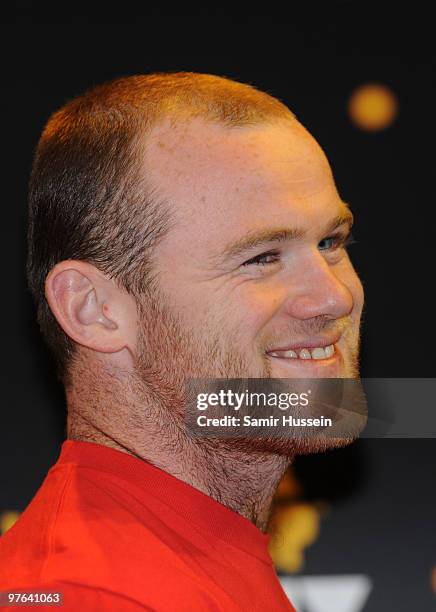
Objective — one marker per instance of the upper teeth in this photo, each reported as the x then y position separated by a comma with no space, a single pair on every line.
318,352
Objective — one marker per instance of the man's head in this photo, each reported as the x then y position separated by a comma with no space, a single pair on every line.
189,226
90,197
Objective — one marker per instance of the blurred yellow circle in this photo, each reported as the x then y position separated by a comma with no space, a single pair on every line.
373,107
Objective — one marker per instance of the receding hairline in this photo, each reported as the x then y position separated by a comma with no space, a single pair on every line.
174,95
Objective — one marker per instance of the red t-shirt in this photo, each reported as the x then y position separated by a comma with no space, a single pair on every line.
113,532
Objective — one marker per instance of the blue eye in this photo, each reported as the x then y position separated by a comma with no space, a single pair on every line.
339,241
261,260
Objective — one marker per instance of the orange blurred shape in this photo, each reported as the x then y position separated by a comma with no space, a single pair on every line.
433,579
289,487
7,519
373,107
296,527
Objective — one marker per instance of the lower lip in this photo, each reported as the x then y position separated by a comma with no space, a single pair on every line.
317,368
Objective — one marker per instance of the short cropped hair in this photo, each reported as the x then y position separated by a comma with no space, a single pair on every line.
88,194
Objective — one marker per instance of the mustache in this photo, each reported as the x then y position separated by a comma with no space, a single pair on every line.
322,323
314,326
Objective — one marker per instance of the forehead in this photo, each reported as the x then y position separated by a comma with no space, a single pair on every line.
221,182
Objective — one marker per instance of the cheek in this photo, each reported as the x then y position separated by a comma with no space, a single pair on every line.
257,305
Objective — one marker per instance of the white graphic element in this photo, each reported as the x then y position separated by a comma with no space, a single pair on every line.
328,593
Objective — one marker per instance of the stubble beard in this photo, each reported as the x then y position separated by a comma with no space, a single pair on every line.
169,355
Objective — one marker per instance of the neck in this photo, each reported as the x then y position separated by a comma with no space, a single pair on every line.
243,479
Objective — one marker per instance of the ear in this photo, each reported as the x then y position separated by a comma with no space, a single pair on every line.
91,309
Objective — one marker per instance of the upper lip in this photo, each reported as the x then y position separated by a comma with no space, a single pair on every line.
312,342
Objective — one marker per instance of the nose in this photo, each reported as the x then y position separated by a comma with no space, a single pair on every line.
321,290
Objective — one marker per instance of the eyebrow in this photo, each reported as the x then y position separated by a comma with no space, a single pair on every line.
257,238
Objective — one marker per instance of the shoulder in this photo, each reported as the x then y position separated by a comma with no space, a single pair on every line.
92,535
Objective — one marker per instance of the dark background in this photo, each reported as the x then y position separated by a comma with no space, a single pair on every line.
382,518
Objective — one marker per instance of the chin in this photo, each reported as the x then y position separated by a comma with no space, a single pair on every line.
291,447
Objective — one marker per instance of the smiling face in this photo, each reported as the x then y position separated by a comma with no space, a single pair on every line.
254,277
